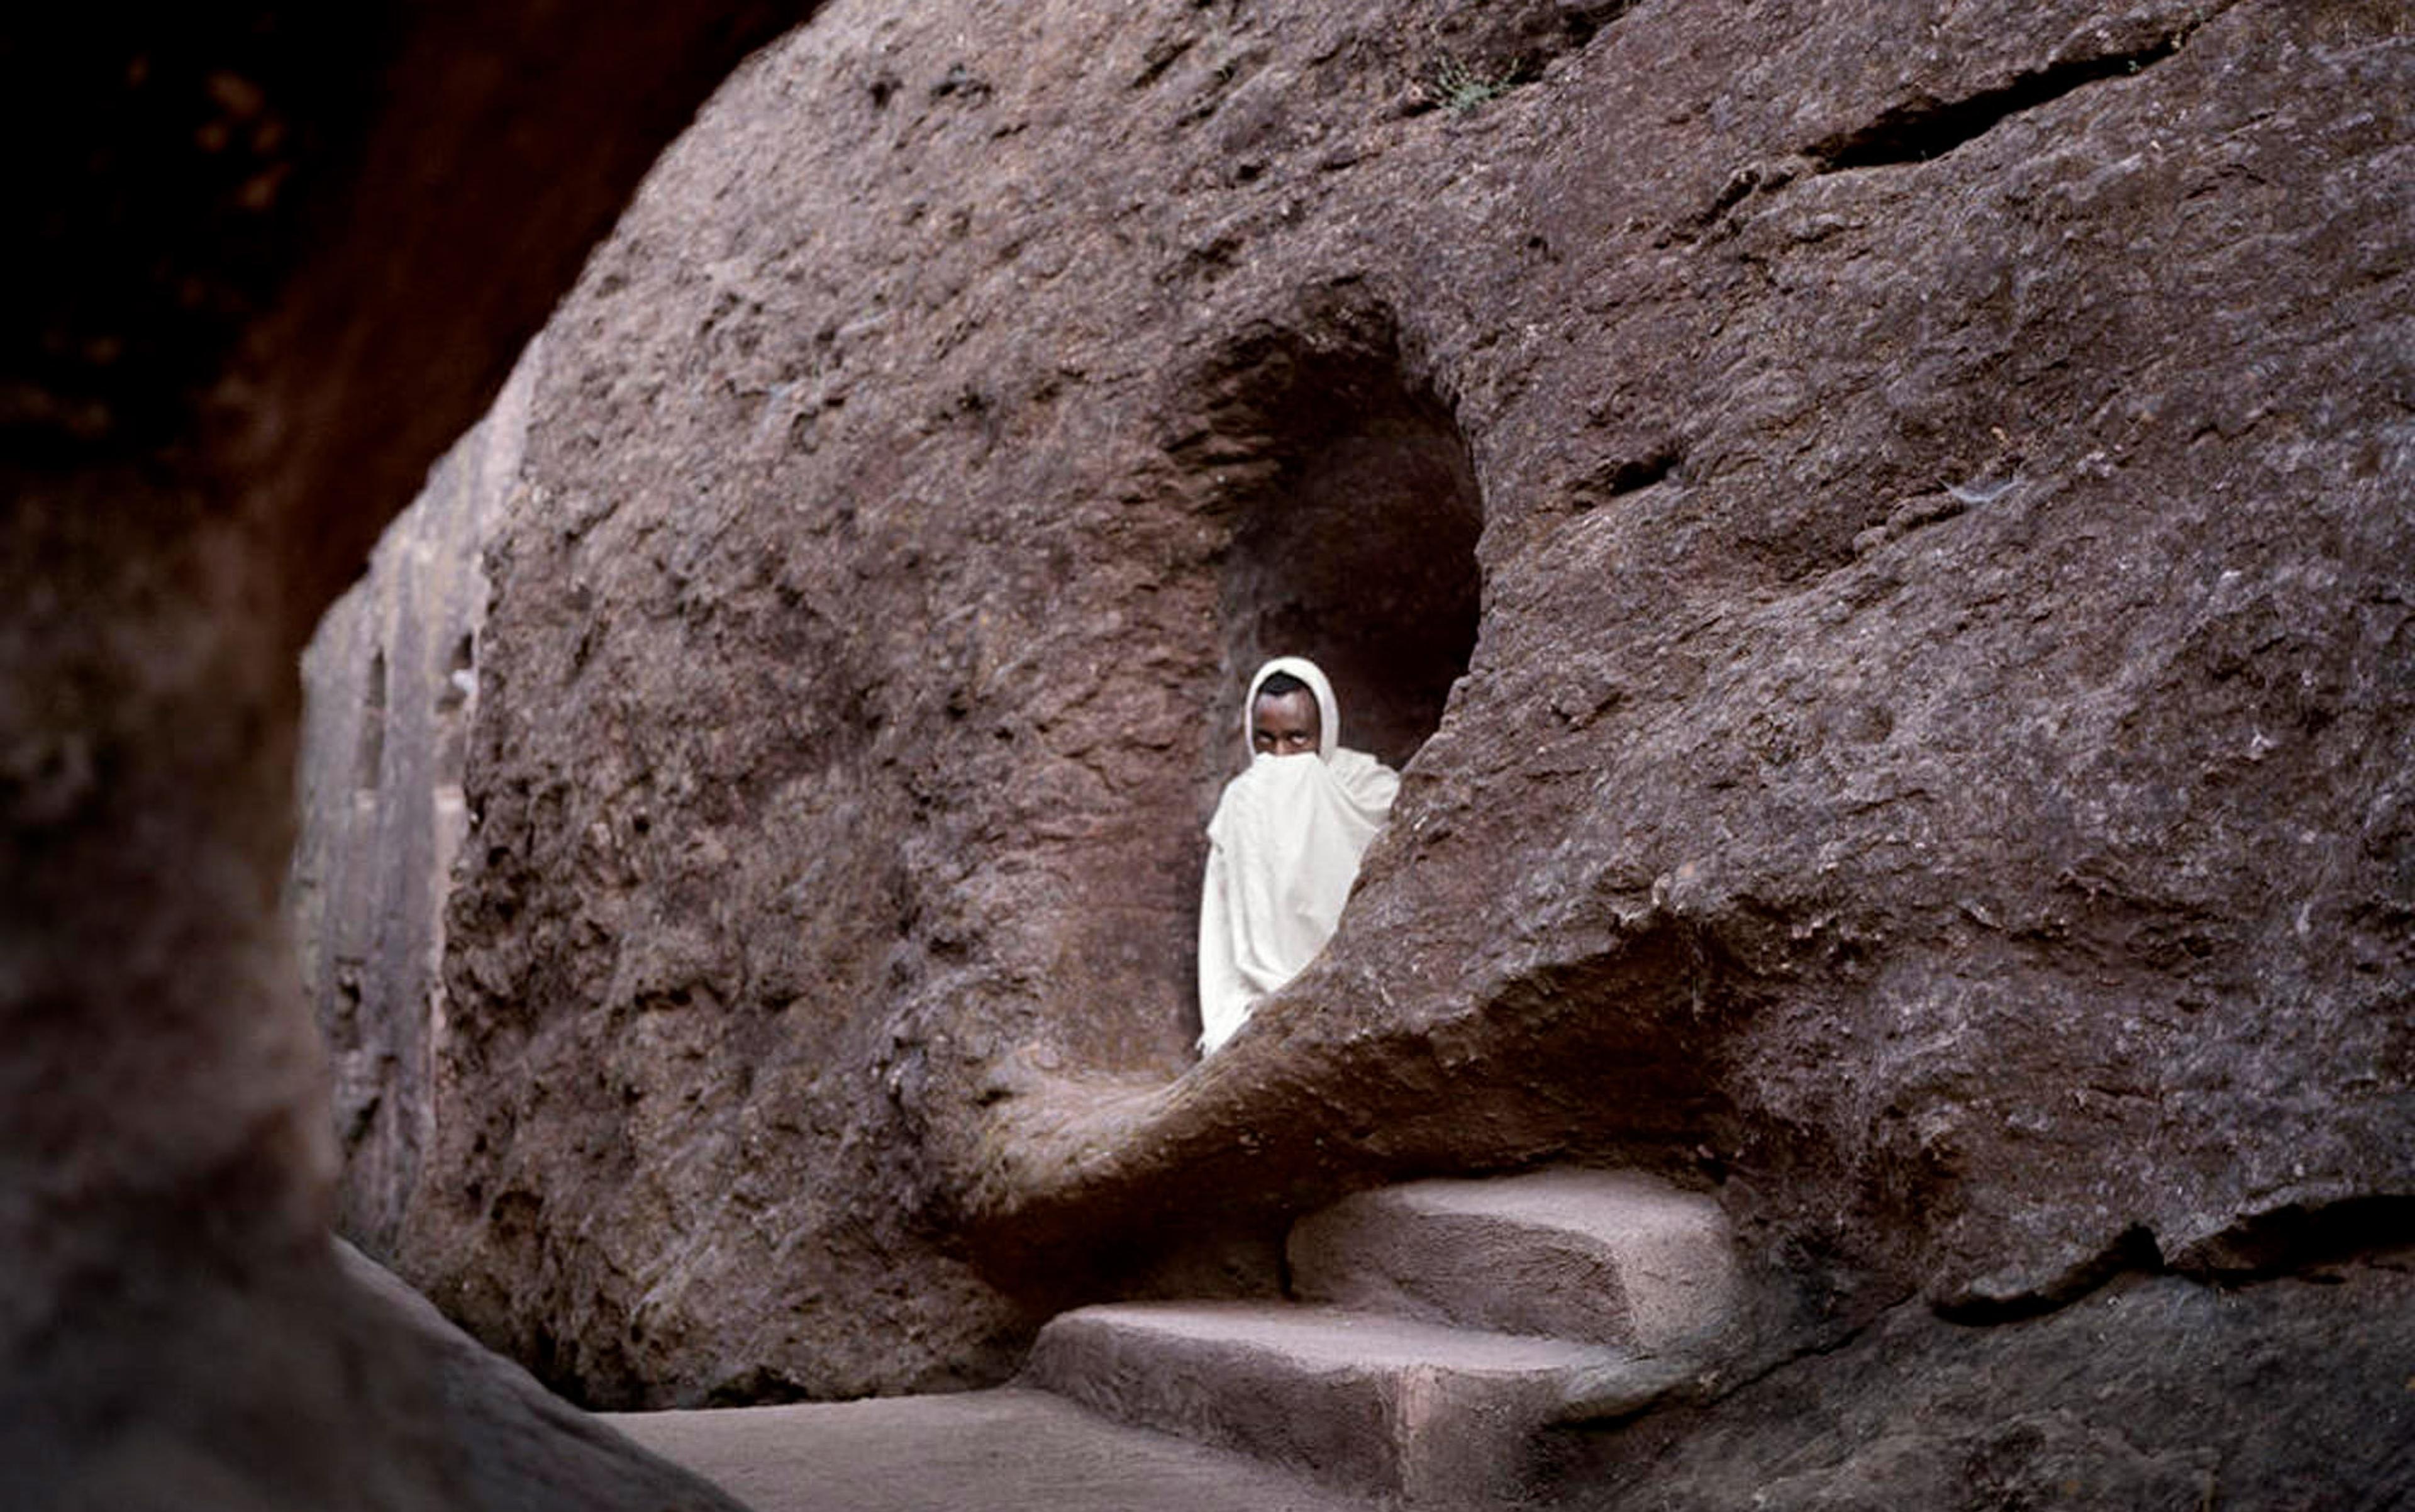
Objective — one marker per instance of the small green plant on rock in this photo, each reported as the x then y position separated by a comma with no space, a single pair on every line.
1459,86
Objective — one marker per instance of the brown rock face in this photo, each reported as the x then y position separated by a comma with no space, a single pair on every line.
2154,1395
266,264
1878,530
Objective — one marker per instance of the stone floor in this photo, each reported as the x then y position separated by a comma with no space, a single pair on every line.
1006,1450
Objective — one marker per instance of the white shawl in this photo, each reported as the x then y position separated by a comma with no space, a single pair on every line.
1283,852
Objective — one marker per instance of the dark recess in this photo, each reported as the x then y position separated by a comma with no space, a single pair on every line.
2134,1253
203,140
1356,546
1631,475
1919,130
2304,1238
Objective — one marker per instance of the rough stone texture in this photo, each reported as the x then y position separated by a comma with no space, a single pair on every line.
1933,760
267,262
1607,1257
503,1440
1918,494
2154,1395
345,1390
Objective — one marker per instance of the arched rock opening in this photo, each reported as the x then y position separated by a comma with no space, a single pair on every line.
1348,515
1343,515
1354,526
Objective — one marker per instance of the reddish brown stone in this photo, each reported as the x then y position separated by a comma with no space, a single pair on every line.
1926,742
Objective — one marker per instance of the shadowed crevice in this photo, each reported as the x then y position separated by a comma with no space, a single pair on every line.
1585,21
1629,475
1920,131
1353,516
2133,1251
2300,1237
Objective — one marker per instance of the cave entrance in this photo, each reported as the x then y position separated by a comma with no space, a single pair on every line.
1355,545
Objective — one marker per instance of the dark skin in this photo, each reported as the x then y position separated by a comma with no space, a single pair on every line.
1286,724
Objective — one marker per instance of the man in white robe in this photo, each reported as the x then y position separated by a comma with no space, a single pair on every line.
1283,847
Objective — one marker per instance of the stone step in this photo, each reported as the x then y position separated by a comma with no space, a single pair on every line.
1387,1406
1614,1258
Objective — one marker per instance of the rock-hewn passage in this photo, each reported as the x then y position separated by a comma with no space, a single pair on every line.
389,683
269,261
1882,530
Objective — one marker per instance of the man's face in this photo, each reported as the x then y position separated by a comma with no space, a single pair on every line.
1286,724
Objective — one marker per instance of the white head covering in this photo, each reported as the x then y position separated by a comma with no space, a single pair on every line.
1283,854
1329,713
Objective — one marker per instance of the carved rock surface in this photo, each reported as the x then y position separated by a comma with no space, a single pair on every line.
1606,1257
1402,1411
1879,530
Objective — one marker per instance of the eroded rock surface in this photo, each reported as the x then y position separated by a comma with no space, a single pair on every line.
1881,531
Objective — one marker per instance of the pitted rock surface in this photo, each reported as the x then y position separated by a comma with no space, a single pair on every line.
1878,531
1929,752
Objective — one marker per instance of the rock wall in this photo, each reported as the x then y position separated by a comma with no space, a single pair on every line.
1880,531
389,682
267,261
2154,1395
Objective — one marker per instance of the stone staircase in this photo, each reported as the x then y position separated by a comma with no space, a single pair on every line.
1440,1326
